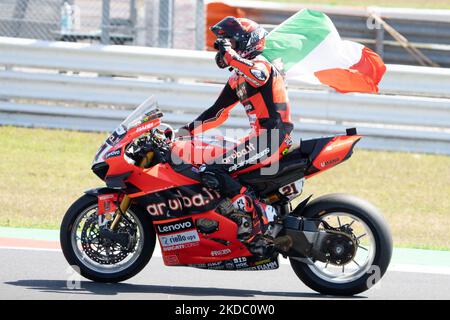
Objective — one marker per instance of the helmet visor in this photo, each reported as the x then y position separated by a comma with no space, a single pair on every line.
229,27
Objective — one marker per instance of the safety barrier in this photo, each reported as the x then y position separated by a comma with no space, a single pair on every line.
86,87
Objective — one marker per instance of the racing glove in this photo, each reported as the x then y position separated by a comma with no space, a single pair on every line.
220,61
183,132
222,45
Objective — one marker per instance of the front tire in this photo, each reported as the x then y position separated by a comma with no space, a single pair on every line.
377,266
97,270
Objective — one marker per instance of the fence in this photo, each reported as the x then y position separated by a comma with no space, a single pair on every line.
427,30
181,24
138,22
86,87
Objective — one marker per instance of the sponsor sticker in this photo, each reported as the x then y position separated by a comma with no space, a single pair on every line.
171,260
241,263
239,153
177,235
199,200
179,225
180,246
256,83
220,252
244,61
260,75
250,160
107,203
329,162
145,127
266,266
179,238
288,141
114,153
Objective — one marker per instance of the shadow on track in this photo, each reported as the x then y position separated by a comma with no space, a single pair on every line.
88,288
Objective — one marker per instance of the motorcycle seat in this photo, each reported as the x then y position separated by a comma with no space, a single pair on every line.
292,167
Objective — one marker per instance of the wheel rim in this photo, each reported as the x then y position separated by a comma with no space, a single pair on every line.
87,222
362,260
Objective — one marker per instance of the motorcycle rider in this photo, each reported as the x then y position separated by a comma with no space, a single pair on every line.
260,88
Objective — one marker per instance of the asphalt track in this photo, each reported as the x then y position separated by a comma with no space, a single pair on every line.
32,273
33,267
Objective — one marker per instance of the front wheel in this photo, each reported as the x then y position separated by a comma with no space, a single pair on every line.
103,259
370,256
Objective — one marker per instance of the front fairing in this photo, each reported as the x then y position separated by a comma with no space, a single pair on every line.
140,121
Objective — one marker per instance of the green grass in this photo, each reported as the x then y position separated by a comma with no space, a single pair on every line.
411,190
420,4
43,171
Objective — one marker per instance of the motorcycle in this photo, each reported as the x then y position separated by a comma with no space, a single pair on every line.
337,244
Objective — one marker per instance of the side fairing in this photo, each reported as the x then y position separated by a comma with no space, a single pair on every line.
158,178
183,242
179,202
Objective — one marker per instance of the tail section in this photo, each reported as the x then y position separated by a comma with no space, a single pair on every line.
336,150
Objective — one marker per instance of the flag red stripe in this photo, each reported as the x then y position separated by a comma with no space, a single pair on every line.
363,76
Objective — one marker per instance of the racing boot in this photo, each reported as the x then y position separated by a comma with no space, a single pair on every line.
260,240
246,203
272,222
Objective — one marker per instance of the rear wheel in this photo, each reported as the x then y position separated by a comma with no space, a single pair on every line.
354,266
100,258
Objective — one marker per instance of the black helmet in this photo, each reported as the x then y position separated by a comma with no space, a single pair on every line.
249,36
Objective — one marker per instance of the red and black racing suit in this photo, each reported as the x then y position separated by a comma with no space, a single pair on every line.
261,89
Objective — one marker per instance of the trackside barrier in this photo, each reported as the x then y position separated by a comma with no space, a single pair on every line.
90,87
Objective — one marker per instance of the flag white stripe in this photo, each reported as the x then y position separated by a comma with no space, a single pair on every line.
329,54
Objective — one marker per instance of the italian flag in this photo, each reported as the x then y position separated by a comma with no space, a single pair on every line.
307,47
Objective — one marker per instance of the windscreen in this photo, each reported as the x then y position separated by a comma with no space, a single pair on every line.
144,112
140,114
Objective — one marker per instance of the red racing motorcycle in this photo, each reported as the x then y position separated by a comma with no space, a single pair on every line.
337,244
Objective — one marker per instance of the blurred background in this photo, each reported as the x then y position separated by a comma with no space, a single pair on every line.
182,24
71,70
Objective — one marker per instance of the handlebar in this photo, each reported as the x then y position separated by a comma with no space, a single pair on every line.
155,140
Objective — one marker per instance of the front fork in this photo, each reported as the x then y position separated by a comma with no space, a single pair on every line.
126,201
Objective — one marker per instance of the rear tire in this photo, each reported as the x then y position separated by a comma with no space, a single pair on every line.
383,244
67,225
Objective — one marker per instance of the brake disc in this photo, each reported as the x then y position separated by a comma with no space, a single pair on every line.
100,250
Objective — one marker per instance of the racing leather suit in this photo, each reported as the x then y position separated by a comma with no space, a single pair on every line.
261,89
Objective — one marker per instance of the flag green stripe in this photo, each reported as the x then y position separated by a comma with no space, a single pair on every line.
296,37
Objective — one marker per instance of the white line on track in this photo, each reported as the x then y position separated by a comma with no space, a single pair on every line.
419,269
29,249
392,267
